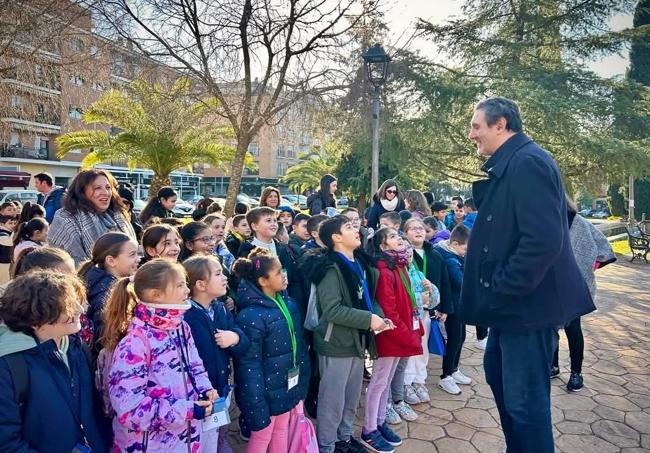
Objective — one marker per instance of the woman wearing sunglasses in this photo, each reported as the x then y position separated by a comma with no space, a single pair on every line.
388,198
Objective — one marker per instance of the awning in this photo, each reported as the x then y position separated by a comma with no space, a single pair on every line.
14,179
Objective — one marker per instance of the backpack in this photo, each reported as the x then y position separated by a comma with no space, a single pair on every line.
311,316
104,360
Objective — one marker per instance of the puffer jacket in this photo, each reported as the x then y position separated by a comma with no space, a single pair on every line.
98,287
261,374
151,394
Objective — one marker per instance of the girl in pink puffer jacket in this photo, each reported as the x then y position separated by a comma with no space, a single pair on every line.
158,389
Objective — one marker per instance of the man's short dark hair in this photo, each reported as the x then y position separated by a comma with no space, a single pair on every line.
314,222
45,177
255,215
330,227
300,217
431,222
392,216
438,206
457,198
470,204
459,234
238,219
500,107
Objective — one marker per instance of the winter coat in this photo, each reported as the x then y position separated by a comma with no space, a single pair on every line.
454,265
54,391
152,396
440,236
233,243
261,374
6,246
318,204
520,271
450,220
344,320
295,246
98,288
25,244
77,232
404,340
52,203
378,209
438,275
470,219
216,360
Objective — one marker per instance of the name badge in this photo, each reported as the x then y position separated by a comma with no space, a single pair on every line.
292,379
416,323
220,415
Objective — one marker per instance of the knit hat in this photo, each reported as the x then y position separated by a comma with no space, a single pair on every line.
287,209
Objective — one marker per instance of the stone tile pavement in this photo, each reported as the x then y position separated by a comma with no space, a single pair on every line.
612,413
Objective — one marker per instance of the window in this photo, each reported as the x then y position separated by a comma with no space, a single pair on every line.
16,101
254,149
74,112
76,44
40,109
291,153
38,71
96,86
281,168
94,51
76,79
280,150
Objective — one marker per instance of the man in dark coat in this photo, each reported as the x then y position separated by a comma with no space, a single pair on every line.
50,196
521,279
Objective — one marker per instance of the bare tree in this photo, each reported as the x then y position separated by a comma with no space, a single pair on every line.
257,57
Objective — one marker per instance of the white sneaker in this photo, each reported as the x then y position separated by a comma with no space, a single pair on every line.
392,417
481,344
460,378
410,395
449,385
422,392
405,411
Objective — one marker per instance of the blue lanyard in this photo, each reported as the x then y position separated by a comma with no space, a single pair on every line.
356,268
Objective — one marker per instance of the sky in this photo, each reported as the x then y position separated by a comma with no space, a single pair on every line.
401,16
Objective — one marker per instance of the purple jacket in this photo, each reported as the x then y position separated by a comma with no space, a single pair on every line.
152,396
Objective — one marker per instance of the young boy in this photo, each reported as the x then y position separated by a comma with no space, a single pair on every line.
470,213
390,219
238,234
7,227
433,233
345,286
355,219
313,224
439,211
453,253
8,209
285,217
299,234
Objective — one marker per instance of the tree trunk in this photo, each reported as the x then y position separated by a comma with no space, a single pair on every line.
236,171
157,182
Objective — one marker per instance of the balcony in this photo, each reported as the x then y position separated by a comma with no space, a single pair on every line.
23,152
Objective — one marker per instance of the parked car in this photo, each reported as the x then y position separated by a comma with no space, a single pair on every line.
342,202
250,201
18,195
600,214
138,206
296,200
183,208
586,212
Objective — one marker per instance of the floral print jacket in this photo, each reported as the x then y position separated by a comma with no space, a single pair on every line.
150,389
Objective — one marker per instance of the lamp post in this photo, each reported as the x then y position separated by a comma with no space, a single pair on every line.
377,68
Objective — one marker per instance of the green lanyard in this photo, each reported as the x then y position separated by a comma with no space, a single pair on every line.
424,262
279,301
409,290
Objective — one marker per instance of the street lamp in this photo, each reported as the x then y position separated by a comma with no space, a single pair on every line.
377,68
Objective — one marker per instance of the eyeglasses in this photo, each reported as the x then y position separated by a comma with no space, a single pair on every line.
393,191
205,239
417,229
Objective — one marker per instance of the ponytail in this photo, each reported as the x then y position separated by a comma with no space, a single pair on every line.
117,313
26,230
258,264
108,244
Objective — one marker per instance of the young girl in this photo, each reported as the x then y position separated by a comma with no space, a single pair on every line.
212,325
162,205
158,388
396,298
285,217
161,241
416,204
31,210
32,234
273,374
197,239
217,224
115,255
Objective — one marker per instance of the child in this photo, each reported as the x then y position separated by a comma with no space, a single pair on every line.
238,234
53,411
7,227
157,386
353,215
115,255
345,284
8,208
197,240
433,232
30,234
285,217
212,325
161,241
396,298
313,225
31,210
42,258
455,217
272,375
217,224
299,234
390,219
453,252
161,206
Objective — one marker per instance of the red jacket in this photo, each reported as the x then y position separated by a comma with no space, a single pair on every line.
394,300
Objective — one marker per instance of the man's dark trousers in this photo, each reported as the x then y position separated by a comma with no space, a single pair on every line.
517,368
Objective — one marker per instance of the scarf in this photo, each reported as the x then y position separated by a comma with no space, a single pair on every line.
400,257
161,316
389,205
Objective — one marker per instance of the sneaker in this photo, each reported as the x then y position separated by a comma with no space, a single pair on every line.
392,417
350,446
405,411
389,435
449,385
460,378
575,383
410,395
422,392
376,442
481,344
555,372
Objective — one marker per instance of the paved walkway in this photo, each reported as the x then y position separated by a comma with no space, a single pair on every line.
611,414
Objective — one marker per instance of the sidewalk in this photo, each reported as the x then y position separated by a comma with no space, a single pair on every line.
611,414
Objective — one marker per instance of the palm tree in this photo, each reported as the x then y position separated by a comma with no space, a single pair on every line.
152,127
315,164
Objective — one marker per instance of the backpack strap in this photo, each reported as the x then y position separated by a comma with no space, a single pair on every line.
19,377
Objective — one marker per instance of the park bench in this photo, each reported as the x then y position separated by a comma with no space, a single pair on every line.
639,242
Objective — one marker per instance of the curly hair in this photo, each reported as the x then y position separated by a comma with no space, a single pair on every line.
76,200
39,298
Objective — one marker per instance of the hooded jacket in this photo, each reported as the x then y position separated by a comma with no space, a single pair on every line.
98,287
52,203
261,374
454,265
56,388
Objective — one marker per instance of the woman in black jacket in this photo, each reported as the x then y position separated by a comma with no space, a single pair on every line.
387,199
319,201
